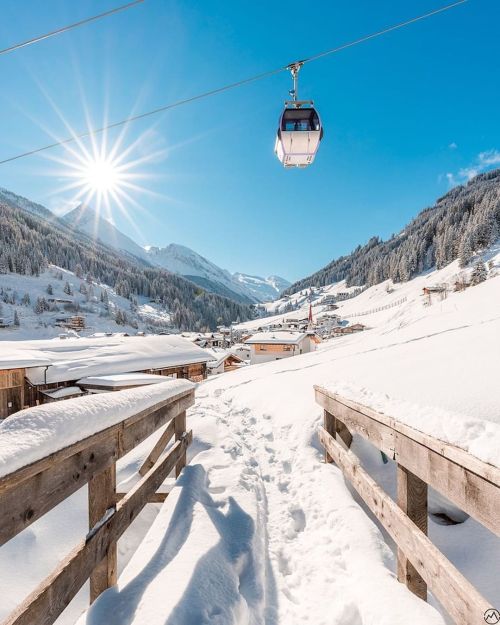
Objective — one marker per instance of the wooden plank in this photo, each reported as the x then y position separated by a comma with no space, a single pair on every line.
412,499
457,595
154,498
459,456
343,433
102,495
470,491
45,603
9,480
329,425
180,430
23,501
158,448
379,434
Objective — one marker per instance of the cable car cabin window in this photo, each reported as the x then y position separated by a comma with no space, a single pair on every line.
299,120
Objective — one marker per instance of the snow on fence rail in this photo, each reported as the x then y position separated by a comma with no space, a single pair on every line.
422,461
34,489
376,310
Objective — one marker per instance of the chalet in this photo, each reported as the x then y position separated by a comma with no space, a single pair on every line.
57,300
223,361
28,369
266,346
438,291
351,329
241,350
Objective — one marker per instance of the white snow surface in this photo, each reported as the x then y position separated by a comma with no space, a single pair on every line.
279,338
124,379
71,358
259,531
34,433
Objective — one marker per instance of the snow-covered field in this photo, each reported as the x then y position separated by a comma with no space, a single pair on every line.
258,530
99,316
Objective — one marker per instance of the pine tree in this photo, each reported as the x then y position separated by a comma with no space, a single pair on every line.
83,288
16,319
465,252
67,288
79,271
50,290
26,301
40,306
479,273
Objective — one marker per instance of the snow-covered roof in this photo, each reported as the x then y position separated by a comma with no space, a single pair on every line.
279,338
219,355
73,359
120,380
65,391
20,359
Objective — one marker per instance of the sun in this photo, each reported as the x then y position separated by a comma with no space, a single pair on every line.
101,176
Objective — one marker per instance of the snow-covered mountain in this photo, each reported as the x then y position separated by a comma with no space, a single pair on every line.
188,263
179,259
18,201
263,289
98,227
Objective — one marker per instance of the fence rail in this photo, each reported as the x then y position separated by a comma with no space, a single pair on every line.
380,308
422,461
32,491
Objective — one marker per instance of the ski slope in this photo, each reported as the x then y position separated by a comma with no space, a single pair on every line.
259,530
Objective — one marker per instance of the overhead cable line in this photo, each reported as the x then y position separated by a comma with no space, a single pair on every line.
64,29
234,85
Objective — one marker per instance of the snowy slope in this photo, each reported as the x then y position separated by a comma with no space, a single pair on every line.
18,201
98,227
99,316
188,263
263,289
259,530
179,259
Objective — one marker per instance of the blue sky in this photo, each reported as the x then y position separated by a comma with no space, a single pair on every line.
405,116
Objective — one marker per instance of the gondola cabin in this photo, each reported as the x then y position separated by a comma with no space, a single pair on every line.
299,134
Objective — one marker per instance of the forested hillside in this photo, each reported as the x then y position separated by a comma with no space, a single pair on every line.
29,243
462,222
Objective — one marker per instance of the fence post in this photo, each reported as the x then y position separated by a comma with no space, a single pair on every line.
412,499
329,425
180,430
102,496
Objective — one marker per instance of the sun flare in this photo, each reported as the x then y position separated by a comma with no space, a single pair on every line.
100,175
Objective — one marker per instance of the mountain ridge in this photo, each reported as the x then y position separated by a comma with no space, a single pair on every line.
178,259
461,222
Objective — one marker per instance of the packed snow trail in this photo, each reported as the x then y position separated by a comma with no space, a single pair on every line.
258,531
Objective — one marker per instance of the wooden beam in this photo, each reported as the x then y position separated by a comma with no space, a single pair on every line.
180,430
412,499
155,497
102,495
378,434
457,455
449,474
329,425
45,603
30,492
457,595
158,448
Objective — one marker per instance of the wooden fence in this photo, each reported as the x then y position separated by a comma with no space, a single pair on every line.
35,489
422,461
